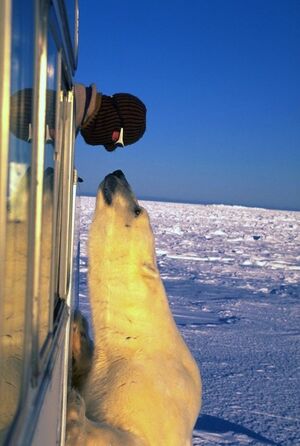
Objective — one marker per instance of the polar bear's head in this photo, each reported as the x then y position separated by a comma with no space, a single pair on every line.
122,226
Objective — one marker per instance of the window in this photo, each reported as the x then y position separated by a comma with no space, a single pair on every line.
16,249
36,199
45,309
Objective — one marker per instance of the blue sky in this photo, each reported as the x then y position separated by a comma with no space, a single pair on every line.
221,82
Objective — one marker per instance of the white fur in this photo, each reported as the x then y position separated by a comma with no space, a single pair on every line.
144,386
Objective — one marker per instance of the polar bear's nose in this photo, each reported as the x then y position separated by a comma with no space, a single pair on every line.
119,174
113,182
109,187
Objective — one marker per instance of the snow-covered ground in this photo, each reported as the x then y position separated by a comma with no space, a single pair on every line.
232,275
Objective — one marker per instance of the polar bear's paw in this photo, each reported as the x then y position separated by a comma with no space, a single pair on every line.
75,430
82,350
81,431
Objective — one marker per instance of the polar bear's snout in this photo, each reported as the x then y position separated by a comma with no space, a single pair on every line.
112,183
119,174
116,176
108,188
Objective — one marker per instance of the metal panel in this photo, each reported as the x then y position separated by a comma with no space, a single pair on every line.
51,390
38,142
5,49
58,142
67,200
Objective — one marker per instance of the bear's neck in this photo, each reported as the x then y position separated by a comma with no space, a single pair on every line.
126,304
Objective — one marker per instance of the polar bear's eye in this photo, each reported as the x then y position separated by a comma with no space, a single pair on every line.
137,211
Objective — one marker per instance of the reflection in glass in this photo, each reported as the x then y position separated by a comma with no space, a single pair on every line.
71,11
12,330
47,208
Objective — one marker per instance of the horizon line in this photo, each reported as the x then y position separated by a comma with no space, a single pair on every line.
203,203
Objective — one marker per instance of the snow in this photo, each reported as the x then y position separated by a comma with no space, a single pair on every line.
232,275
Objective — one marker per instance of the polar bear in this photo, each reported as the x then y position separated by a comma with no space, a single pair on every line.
12,328
82,350
144,387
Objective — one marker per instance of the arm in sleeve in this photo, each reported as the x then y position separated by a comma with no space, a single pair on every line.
87,103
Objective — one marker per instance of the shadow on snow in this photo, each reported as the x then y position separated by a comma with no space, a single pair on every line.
208,423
